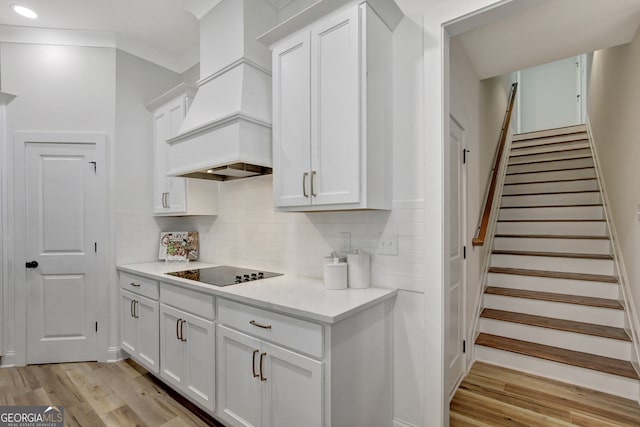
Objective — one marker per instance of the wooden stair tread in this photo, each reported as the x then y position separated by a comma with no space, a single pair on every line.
550,181
515,145
550,160
552,170
553,236
608,365
554,297
546,152
552,220
582,205
555,254
557,324
554,274
551,193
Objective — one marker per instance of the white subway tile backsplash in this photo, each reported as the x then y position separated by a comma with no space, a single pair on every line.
248,233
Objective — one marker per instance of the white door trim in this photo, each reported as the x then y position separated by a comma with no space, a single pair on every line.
18,259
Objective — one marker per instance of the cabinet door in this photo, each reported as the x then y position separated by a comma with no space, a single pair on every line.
128,324
148,321
335,109
199,336
291,122
239,384
292,394
171,347
177,197
161,181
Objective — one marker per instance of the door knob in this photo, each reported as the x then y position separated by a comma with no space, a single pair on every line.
31,264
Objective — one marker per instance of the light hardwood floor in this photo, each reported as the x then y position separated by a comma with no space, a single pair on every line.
100,394
495,396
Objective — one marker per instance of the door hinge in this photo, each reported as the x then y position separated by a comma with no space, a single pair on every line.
95,167
95,247
464,346
96,326
464,156
464,252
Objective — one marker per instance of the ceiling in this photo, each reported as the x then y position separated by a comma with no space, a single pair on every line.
550,31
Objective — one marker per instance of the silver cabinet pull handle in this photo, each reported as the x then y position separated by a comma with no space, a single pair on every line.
168,198
131,308
164,202
182,338
313,184
253,364
304,184
178,329
135,285
254,323
262,377
135,314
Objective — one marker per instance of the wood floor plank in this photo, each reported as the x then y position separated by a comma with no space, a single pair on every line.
555,297
554,399
554,274
557,324
608,365
100,394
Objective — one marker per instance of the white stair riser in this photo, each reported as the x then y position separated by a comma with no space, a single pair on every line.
568,265
583,246
558,310
563,212
548,176
607,383
552,199
566,131
570,340
551,187
548,146
560,286
550,166
589,228
554,155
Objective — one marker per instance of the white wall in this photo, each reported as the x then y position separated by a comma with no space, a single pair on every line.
131,180
614,112
59,88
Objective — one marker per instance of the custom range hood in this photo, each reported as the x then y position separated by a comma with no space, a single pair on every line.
226,133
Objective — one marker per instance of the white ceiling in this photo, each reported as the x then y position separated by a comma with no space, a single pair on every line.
162,25
553,30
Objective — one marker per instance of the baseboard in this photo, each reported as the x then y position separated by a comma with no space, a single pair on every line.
8,360
115,354
399,423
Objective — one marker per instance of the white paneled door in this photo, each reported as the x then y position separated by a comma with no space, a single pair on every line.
64,224
454,251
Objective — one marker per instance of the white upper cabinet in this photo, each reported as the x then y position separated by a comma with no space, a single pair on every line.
174,195
332,125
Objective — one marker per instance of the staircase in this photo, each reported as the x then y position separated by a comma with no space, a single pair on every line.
552,305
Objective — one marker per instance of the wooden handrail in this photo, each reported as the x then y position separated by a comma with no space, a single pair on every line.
484,222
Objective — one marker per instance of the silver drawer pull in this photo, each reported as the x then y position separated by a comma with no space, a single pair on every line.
136,285
254,323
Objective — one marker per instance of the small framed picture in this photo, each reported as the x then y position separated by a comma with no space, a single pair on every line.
178,246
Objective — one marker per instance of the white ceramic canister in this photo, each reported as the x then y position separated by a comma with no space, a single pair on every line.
335,273
359,269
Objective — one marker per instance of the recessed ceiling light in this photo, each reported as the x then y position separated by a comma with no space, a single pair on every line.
24,11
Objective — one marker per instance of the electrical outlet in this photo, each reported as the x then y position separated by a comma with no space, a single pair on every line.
345,242
388,245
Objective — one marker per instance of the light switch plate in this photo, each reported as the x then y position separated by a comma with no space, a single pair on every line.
388,245
345,242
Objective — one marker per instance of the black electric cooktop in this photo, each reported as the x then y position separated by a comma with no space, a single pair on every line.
223,275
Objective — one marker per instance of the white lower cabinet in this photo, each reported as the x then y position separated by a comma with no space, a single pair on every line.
187,359
261,384
139,329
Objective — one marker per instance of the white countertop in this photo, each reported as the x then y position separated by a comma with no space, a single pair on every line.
300,296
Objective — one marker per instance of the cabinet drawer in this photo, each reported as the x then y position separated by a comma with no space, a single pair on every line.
140,285
280,329
190,301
